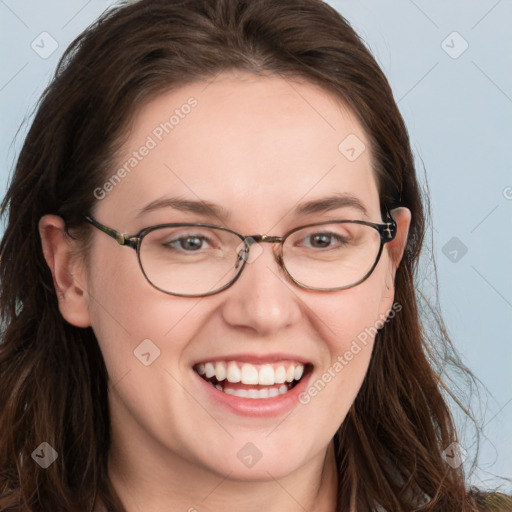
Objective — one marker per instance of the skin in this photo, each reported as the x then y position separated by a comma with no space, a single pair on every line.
257,146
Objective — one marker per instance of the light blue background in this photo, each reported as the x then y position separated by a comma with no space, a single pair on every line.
459,115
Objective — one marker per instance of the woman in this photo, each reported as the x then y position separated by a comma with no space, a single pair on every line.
207,276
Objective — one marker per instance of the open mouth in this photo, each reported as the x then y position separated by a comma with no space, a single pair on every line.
246,380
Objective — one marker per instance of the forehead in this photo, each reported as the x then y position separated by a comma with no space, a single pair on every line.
258,144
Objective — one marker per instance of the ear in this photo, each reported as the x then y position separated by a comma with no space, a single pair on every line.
402,217
68,273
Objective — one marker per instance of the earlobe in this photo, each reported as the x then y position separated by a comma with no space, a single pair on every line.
69,279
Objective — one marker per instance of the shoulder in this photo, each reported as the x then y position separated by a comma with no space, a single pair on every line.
492,501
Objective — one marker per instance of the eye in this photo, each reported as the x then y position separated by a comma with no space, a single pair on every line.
189,243
326,239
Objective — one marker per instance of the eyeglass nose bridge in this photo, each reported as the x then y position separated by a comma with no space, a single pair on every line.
266,238
255,239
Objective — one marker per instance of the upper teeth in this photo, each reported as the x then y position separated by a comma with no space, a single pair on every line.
246,373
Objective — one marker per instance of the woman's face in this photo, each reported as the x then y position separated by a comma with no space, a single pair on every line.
258,148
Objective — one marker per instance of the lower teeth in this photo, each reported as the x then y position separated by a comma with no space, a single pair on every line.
269,392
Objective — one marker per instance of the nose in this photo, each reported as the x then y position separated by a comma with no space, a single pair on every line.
263,298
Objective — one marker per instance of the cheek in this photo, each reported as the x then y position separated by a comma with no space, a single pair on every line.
343,316
130,317
347,321
348,339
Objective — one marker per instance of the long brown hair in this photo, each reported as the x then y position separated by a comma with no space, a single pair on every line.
54,383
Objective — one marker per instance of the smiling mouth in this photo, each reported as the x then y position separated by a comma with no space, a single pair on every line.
246,380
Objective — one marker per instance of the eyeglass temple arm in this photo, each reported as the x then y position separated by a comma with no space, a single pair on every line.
388,229
118,237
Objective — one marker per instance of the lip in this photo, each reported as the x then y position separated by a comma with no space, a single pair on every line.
255,407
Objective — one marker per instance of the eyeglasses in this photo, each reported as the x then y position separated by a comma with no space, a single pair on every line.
196,260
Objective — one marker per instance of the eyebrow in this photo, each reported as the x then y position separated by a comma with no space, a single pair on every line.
209,209
204,208
333,202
